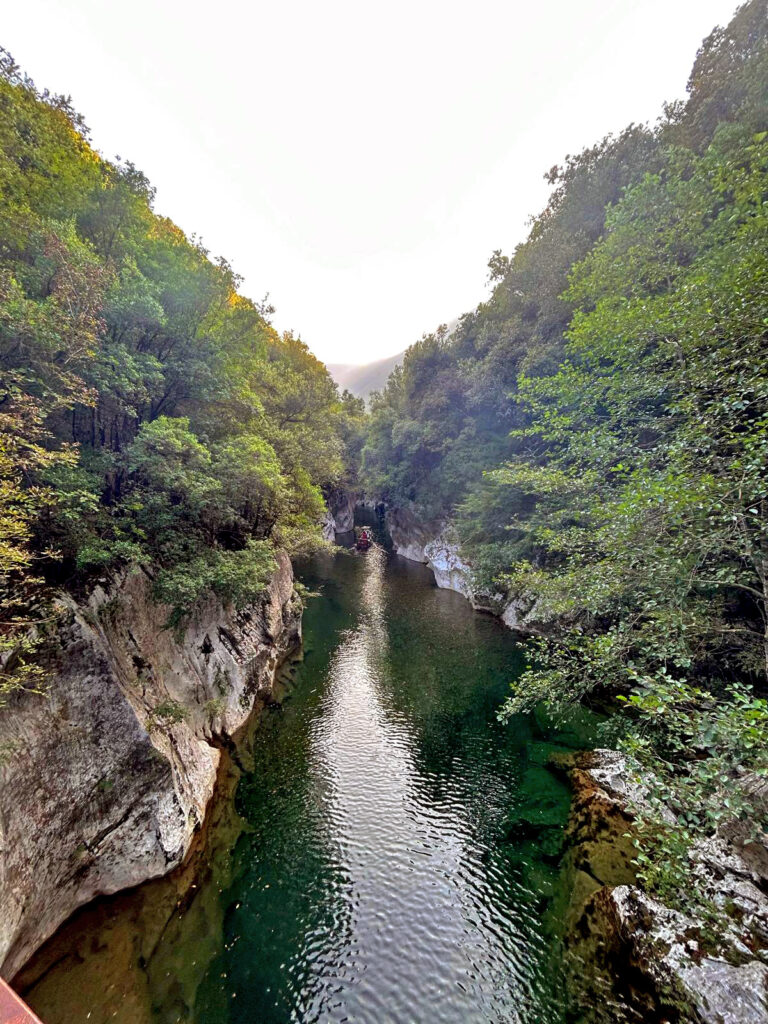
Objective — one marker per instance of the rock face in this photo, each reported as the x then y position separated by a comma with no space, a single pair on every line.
409,534
105,778
437,546
665,948
450,570
650,962
340,514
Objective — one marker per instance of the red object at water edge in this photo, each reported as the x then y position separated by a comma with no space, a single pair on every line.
12,1009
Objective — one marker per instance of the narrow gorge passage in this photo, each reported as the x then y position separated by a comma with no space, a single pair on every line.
396,858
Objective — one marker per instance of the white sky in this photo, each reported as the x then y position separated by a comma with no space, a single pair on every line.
358,161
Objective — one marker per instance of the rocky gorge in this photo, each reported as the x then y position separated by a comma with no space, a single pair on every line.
107,774
120,759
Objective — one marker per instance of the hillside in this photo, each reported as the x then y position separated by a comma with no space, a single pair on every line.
362,380
149,414
596,434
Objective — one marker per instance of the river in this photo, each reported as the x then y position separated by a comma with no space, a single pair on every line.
384,851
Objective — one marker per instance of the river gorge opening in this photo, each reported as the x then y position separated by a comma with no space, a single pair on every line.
382,849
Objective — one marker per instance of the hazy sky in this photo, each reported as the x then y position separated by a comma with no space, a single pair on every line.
358,161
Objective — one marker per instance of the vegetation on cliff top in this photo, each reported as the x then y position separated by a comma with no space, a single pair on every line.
599,431
149,413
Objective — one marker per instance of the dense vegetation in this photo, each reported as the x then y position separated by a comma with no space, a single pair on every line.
598,429
149,414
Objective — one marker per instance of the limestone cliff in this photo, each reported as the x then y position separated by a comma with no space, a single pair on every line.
436,545
105,778
340,513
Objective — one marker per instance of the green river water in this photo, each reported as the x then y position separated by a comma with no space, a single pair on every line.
385,852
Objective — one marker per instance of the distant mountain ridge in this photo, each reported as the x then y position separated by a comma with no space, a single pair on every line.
362,380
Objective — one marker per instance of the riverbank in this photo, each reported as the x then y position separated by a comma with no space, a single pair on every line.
662,964
394,699
647,959
435,544
102,964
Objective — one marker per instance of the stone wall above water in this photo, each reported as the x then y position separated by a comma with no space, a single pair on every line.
340,513
105,778
436,545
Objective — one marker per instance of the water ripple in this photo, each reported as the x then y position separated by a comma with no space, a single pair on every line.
375,885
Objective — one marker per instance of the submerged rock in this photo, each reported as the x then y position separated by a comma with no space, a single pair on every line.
107,775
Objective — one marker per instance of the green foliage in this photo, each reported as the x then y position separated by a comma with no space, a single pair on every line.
598,430
303,593
214,708
237,577
658,422
165,715
697,753
148,413
445,415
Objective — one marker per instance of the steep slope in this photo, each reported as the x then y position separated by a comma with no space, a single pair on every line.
362,380
109,773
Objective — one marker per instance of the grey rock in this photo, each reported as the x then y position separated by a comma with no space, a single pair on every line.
100,787
409,534
672,952
340,515
436,544
665,946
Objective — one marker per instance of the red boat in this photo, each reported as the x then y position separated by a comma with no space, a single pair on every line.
364,540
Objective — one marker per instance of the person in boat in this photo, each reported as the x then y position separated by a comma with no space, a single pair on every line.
364,540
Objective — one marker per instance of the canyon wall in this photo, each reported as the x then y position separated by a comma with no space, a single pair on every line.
105,777
436,545
340,514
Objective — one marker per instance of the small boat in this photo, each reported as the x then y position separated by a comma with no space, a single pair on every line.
364,540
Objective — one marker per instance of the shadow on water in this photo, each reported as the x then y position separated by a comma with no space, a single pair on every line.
389,853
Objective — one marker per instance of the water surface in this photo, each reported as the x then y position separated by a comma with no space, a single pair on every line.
390,853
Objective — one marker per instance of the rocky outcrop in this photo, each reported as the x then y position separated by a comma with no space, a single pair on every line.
409,534
340,514
666,949
450,570
436,544
649,962
328,527
105,778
